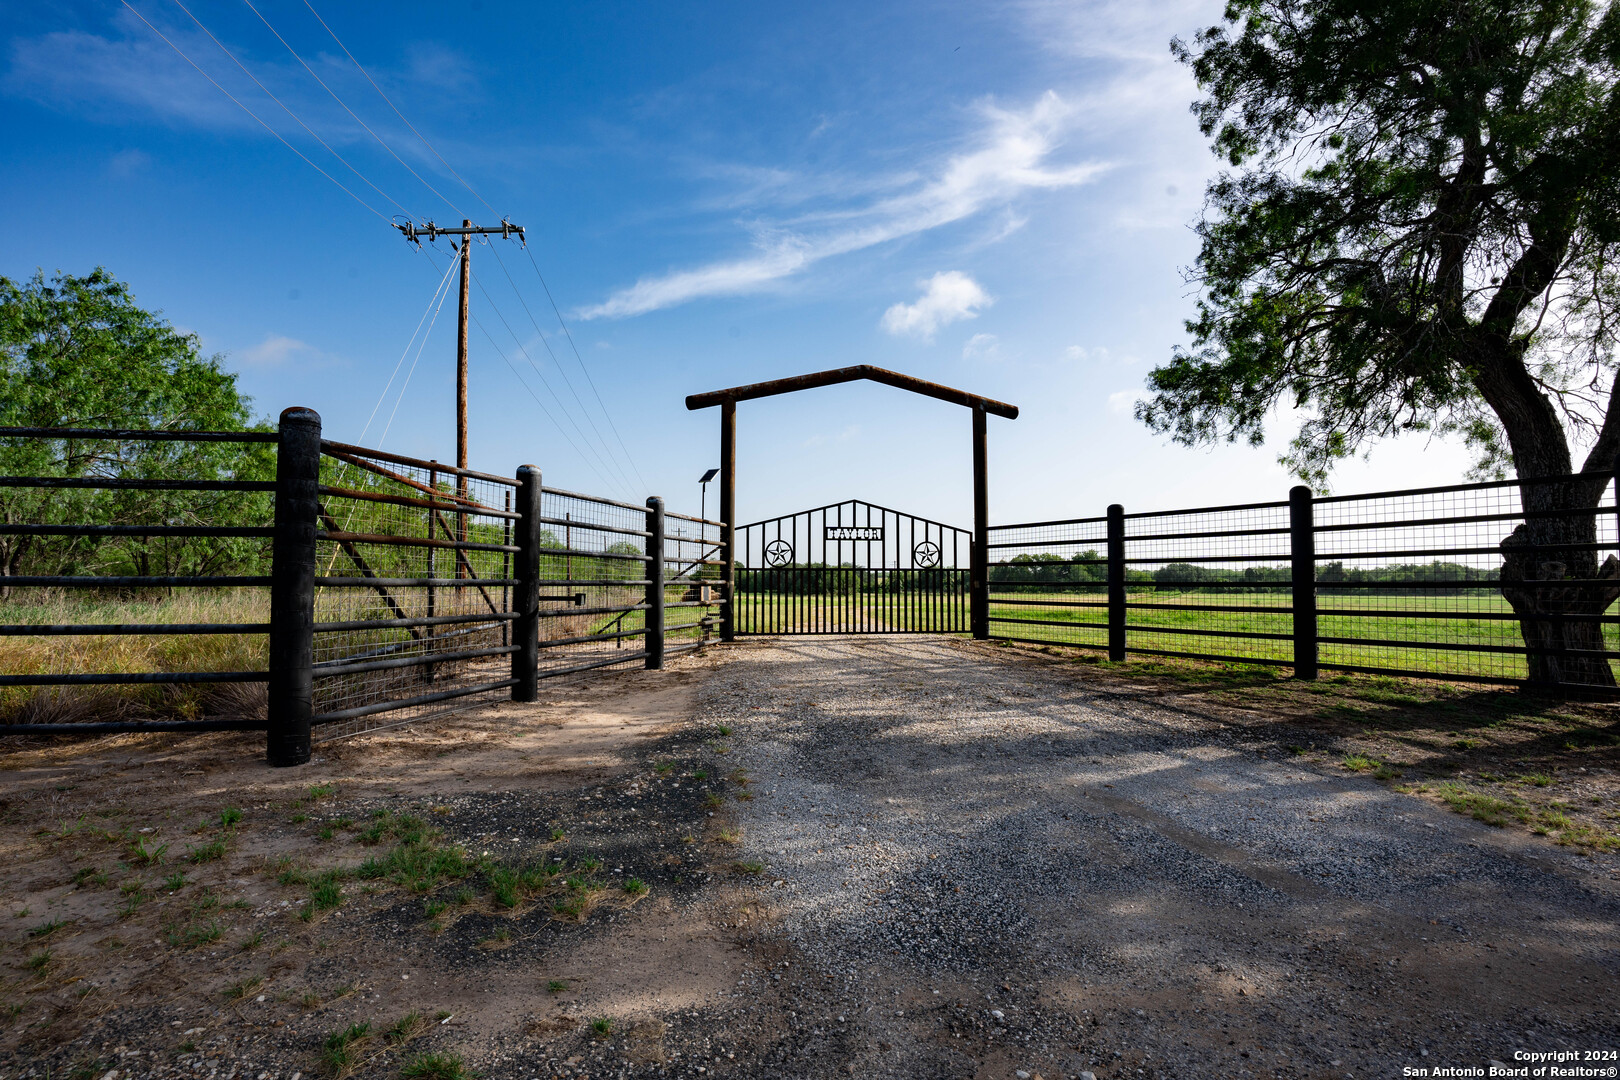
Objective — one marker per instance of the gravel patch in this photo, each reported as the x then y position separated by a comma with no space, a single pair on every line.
1059,880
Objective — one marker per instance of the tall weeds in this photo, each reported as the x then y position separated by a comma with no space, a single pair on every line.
114,653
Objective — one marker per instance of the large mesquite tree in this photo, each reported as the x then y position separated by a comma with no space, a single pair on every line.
78,352
1419,231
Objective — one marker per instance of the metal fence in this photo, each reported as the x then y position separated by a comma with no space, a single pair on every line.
1494,582
382,588
115,529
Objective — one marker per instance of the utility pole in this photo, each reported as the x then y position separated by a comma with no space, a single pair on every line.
414,233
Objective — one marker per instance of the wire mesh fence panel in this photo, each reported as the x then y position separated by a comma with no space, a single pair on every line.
694,595
415,579
1422,581
1048,582
1214,582
593,582
1509,581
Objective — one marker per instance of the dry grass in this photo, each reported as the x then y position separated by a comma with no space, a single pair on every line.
112,653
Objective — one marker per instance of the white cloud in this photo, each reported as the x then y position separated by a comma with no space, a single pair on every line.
1010,157
277,350
985,347
949,296
1122,402
1074,352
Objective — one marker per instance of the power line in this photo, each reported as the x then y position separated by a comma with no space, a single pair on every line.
569,335
284,106
437,298
442,295
473,191
628,487
610,461
253,114
560,369
397,113
542,406
351,112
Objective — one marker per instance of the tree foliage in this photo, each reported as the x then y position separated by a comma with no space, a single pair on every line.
1419,232
78,352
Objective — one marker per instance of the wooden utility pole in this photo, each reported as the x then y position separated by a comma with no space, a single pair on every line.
414,233
461,354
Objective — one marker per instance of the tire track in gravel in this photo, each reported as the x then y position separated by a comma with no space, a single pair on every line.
977,865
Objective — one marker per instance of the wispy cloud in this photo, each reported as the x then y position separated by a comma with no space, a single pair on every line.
277,350
983,347
129,72
127,163
1122,402
74,69
1010,155
949,296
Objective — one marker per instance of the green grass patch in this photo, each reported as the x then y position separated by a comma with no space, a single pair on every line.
435,1066
208,852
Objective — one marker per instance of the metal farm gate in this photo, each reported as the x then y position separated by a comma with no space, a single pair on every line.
852,568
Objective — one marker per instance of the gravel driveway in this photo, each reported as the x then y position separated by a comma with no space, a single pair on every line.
976,865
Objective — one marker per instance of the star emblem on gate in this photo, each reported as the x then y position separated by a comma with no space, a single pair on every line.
778,553
926,554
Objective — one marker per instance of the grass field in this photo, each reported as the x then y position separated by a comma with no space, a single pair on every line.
1434,633
134,653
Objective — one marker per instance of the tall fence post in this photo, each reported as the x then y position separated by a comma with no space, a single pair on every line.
979,552
655,584
291,691
526,597
728,518
1116,582
1302,553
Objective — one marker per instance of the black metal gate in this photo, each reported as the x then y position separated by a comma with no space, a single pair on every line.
852,568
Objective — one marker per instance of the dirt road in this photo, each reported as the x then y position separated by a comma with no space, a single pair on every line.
875,857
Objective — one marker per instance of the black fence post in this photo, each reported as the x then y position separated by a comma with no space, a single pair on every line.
655,584
979,550
728,519
1302,553
291,696
526,597
1116,582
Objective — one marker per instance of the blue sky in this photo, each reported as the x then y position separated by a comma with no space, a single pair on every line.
997,197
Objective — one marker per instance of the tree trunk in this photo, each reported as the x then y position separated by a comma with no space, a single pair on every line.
1559,592
1550,572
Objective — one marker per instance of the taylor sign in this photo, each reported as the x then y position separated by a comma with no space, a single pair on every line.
853,532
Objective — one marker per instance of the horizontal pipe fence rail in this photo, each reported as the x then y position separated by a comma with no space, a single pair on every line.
168,531
378,588
1500,582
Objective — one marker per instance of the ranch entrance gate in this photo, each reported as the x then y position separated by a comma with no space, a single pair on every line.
852,568
877,584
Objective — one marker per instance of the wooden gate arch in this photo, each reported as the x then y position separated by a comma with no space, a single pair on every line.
977,585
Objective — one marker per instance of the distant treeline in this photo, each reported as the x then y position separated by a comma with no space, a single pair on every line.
1088,571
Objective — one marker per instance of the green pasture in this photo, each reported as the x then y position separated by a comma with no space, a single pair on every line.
1431,622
